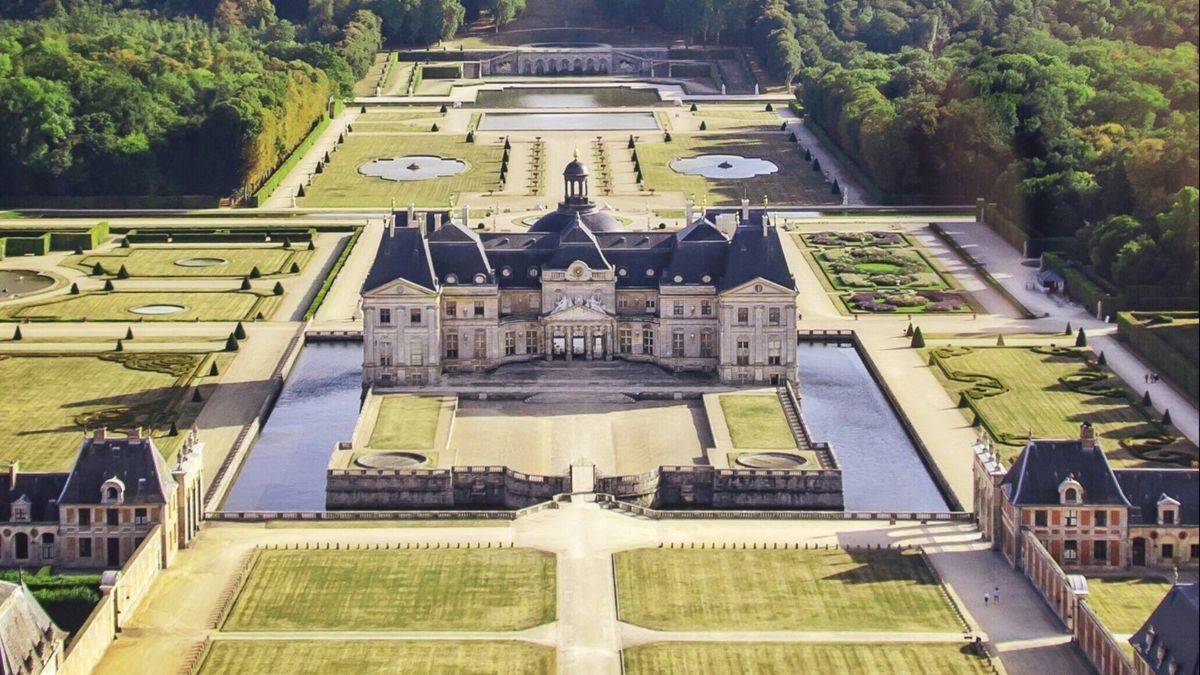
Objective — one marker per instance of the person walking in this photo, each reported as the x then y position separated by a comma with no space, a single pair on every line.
985,598
996,596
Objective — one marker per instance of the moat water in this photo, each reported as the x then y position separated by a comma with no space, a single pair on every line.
317,408
319,405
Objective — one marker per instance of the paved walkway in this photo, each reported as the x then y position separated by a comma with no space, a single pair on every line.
852,192
1008,266
282,197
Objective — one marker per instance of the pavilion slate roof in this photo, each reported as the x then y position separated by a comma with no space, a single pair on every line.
27,634
1043,465
41,489
1144,487
1173,628
133,461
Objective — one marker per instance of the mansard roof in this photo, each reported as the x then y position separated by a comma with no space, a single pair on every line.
1043,466
27,633
1168,642
700,254
133,461
1145,487
41,489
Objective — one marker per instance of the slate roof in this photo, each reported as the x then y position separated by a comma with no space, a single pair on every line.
27,634
41,489
1173,627
133,461
641,259
1144,487
1043,465
597,220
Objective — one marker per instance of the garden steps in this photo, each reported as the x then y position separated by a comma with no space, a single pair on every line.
795,423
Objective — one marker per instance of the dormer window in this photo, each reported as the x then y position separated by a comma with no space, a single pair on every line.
112,491
1168,510
1070,491
20,510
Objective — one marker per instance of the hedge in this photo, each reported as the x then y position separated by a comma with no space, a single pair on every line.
204,236
1090,291
1169,347
264,191
35,245
333,273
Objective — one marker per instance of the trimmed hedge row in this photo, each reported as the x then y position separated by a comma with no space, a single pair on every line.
205,236
40,242
1091,292
1159,344
333,273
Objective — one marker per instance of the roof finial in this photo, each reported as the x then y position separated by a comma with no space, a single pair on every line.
575,153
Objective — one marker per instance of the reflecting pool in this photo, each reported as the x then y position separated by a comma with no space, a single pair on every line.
567,97
567,122
724,166
413,167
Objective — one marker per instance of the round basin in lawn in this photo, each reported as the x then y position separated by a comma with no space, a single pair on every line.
201,262
392,460
413,167
22,282
770,460
724,166
158,309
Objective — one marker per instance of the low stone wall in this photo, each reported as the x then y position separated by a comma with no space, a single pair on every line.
457,487
704,487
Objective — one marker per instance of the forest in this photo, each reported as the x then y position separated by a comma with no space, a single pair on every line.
1078,118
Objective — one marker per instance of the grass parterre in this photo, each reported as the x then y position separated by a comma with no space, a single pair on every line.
334,657
1047,392
807,590
196,261
381,590
904,658
756,421
1124,603
118,305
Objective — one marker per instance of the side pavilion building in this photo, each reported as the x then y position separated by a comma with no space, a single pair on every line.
715,297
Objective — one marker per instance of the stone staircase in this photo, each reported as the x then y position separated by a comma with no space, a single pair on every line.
795,422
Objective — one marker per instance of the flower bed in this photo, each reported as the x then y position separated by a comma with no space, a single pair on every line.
855,239
906,301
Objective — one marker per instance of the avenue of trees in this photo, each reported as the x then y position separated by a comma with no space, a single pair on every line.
1074,116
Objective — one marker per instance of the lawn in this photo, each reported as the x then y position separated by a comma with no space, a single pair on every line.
737,118
794,183
757,421
907,658
391,120
406,422
334,657
439,589
1124,603
342,185
140,261
805,590
55,397
116,306
1048,392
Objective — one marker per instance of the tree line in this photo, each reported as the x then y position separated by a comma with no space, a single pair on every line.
1075,117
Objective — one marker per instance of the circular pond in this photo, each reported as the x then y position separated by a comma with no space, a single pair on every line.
392,460
724,166
201,262
21,282
770,460
413,167
158,309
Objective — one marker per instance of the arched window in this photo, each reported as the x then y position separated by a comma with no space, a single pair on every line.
21,546
1071,495
111,493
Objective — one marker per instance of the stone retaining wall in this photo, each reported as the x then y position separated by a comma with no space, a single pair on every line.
457,487
705,487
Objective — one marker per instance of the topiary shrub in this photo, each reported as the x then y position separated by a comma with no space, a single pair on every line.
278,289
1081,339
918,340
434,127
245,284
108,284
703,125
74,289
98,269
770,108
693,108
239,331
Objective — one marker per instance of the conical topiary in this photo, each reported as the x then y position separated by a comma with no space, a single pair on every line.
278,290
1068,330
108,285
196,397
245,284
792,138
507,144
909,330
1166,418
98,269
212,371
434,127
120,346
255,273
311,245
693,108
1102,359
17,333
78,250
631,144
807,155
835,188
239,331
918,340
1081,338
1146,399
295,268
1000,340
667,137
470,136
770,108
443,110
703,125
816,164
74,289
174,431
129,333
231,344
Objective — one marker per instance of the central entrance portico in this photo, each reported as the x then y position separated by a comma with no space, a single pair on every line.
579,333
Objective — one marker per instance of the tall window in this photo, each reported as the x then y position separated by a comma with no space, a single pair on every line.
677,309
451,308
773,316
385,316
1070,550
647,340
774,352
510,343
1100,551
416,353
706,343
481,344
677,344
414,316
625,341
385,353
85,548
140,517
743,352
112,516
706,308
531,342
452,345
85,517
743,316
1039,518
1101,518
478,308
1072,517
651,305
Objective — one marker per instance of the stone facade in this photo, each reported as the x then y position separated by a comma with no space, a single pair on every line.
715,297
460,487
96,515
573,60
1086,514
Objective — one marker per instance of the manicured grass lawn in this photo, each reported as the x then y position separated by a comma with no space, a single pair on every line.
756,421
342,185
164,261
701,658
49,400
335,657
407,119
1124,603
116,306
439,589
67,598
1037,401
737,118
406,422
794,183
805,590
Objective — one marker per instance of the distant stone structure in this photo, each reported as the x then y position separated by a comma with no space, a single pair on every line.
1169,642
574,59
715,297
1085,513
30,643
97,514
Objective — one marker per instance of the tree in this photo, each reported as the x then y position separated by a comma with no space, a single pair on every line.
278,289
129,333
1081,338
918,340
231,344
245,285
239,331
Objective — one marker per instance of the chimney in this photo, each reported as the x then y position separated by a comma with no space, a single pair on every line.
688,208
99,434
437,220
1087,436
137,434
411,209
745,209
14,470
392,225
466,215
